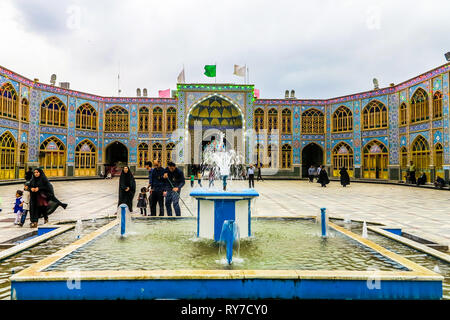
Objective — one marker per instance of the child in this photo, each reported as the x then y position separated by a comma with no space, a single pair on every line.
142,201
26,203
192,180
18,206
199,177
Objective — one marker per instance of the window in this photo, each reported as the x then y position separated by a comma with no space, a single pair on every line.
420,154
171,117
286,156
23,158
437,105
273,120
313,122
116,119
52,157
259,120
169,148
438,156
53,112
419,106
286,121
342,120
157,119
7,156
144,116
403,158
86,117
259,154
85,159
8,101
403,115
25,110
157,152
375,116
142,155
342,158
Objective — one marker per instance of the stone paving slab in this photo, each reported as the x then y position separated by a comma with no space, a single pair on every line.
419,211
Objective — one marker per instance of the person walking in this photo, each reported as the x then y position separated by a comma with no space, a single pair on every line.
18,206
412,172
311,173
323,177
26,203
157,189
251,177
175,181
259,177
345,178
148,166
28,174
42,200
127,188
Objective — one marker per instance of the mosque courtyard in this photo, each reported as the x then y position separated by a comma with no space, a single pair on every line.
419,211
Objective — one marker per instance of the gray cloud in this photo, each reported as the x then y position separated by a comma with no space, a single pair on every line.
321,49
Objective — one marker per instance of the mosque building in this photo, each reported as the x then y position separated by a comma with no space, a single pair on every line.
374,134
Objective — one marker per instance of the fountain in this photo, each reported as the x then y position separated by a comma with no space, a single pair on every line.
214,207
285,259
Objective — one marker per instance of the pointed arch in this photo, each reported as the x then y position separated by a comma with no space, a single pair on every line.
171,119
420,154
169,148
437,105
313,121
272,117
85,158
53,112
342,157
419,106
7,156
86,117
52,157
342,120
403,118
157,151
258,119
286,156
142,154
8,101
157,119
438,157
375,160
116,119
375,116
25,110
144,118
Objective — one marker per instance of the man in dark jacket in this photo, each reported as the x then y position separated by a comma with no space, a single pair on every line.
175,181
158,185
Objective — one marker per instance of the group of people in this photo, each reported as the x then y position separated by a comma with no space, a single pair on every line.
321,174
422,179
37,198
163,183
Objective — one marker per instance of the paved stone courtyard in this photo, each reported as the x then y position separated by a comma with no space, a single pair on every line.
423,212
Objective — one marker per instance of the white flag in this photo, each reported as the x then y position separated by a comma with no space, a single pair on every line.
239,71
180,78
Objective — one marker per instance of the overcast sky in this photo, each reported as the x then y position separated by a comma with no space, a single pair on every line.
322,49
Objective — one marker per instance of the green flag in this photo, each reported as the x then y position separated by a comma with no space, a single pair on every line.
210,71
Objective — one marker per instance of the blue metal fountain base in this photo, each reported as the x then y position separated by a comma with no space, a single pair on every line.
214,207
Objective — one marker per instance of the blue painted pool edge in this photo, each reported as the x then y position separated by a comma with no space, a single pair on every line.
225,289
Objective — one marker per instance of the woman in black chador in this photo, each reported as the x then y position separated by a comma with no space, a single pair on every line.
345,178
323,177
42,201
127,188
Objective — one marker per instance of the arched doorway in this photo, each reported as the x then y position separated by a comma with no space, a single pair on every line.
375,164
7,156
312,155
52,157
214,115
85,159
116,154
